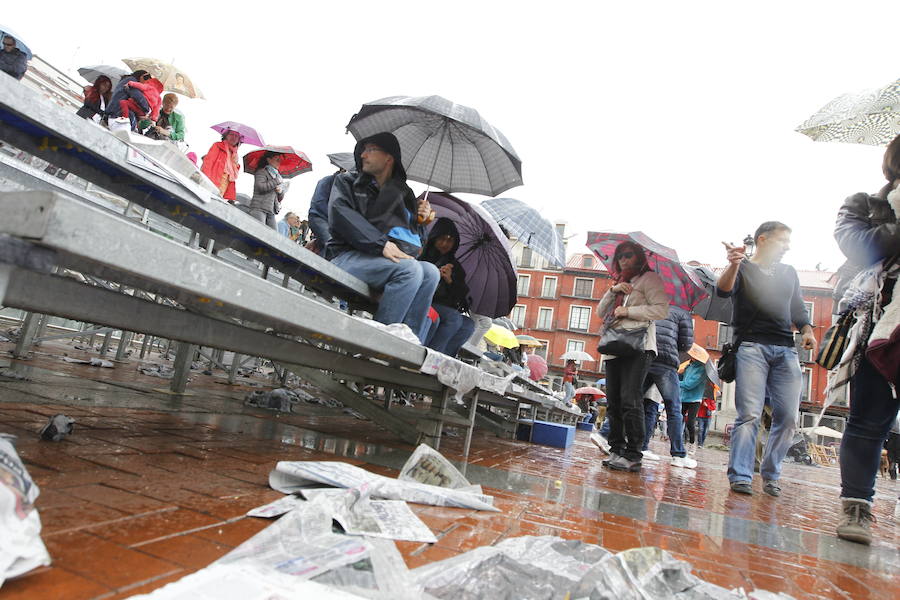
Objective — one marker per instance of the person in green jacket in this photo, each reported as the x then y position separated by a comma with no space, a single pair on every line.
169,125
693,382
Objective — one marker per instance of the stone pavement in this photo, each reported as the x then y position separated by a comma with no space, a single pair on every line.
151,487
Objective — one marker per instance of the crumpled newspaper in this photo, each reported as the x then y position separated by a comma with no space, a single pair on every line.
57,427
94,362
21,548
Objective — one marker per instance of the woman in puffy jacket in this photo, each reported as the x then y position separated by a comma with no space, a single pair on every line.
636,300
96,98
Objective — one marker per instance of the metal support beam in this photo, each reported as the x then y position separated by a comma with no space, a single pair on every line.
26,335
124,342
184,355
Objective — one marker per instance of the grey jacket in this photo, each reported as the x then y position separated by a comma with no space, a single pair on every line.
265,197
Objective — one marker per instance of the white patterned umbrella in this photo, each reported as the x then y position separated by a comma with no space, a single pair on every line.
871,117
528,226
443,144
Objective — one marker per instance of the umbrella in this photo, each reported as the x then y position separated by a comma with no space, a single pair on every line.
697,352
577,355
22,46
292,163
443,144
343,160
505,322
248,134
501,336
538,367
870,117
683,287
590,390
529,227
711,308
529,341
484,254
172,78
713,374
91,73
823,431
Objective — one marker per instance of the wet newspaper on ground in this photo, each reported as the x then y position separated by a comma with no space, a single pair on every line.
290,477
428,466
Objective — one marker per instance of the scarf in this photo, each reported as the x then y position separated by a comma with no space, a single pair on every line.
231,165
625,276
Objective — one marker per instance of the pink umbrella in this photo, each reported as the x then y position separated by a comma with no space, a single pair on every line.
538,367
590,390
248,134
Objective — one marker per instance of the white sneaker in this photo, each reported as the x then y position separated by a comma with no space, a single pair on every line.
600,442
684,461
677,461
692,448
648,455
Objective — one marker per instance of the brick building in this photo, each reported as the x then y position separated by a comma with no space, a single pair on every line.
559,308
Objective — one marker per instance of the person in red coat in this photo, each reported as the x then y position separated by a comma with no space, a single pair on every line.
221,164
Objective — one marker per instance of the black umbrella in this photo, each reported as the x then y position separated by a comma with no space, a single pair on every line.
443,144
483,252
711,308
343,160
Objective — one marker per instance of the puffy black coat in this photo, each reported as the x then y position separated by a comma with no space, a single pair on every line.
867,231
674,334
454,294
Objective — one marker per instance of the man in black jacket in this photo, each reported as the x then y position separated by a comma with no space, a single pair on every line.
674,334
376,231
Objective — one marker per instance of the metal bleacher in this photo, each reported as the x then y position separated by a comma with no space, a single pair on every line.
284,311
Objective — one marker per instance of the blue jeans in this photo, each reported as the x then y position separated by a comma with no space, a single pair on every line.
702,428
762,368
453,329
407,286
651,418
872,412
666,380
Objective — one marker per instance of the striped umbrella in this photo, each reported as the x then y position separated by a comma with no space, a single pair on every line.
528,226
443,144
684,288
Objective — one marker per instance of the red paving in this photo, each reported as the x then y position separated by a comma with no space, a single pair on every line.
138,497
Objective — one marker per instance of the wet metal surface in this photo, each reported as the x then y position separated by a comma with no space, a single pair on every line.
156,486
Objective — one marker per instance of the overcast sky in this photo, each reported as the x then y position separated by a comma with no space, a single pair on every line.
675,118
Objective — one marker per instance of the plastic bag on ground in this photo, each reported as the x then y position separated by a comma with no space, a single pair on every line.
21,547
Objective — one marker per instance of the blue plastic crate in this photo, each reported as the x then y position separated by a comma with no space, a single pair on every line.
545,433
585,426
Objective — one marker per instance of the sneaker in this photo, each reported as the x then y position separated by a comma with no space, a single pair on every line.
856,520
742,487
692,448
620,463
612,457
771,488
684,461
648,455
601,443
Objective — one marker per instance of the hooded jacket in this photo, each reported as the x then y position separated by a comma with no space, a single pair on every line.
123,92
674,334
361,215
454,294
152,93
867,231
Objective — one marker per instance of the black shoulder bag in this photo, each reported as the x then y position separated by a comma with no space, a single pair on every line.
727,367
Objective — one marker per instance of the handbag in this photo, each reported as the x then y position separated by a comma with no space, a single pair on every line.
727,367
620,341
834,342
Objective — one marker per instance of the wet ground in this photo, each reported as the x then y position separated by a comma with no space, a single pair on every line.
151,487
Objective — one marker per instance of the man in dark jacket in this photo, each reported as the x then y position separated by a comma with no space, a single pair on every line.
376,232
13,61
318,212
674,334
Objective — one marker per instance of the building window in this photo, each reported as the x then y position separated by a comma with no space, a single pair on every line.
579,318
574,346
523,285
583,287
545,318
542,351
527,259
809,310
724,335
548,290
806,384
517,316
587,262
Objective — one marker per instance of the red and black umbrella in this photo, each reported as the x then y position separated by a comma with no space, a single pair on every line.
293,163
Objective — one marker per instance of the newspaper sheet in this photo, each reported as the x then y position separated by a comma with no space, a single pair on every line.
243,582
301,544
276,508
428,466
290,477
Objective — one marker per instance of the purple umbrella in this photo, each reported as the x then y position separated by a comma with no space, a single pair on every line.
682,285
248,134
484,254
